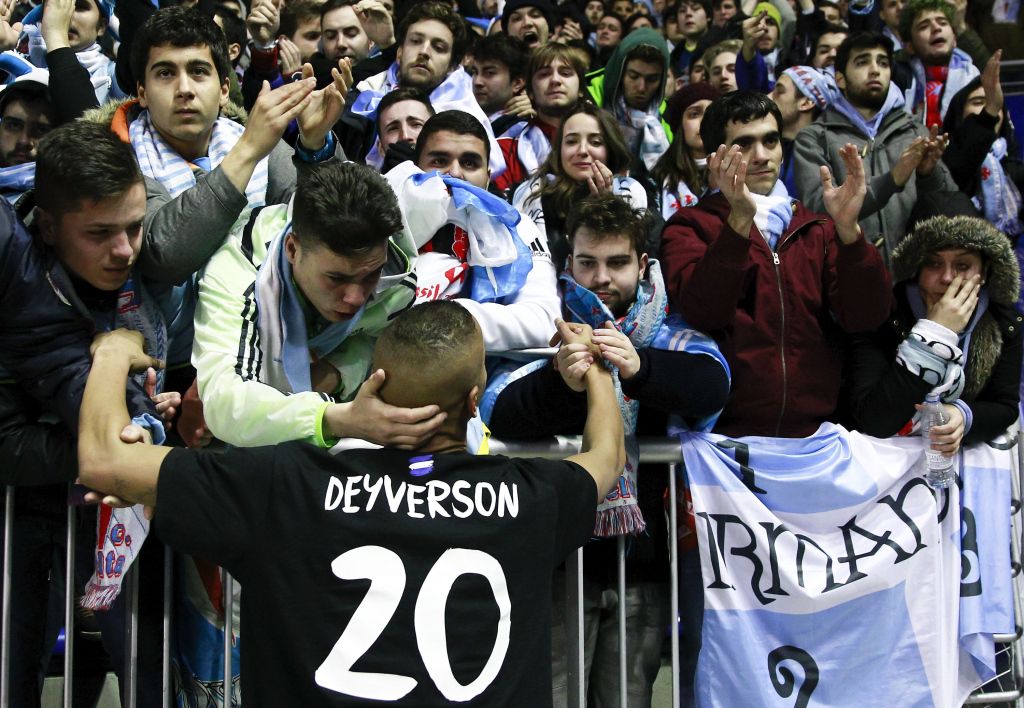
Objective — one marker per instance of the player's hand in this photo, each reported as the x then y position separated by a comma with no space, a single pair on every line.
572,333
271,114
617,350
54,26
325,106
844,203
131,434
368,417
376,22
729,171
946,438
324,377
956,306
126,344
572,362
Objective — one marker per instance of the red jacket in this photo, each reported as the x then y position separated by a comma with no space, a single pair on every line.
777,316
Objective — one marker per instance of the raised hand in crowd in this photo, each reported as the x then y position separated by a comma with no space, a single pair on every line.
991,85
324,107
959,16
727,170
289,57
568,31
367,416
754,30
520,106
843,203
935,146
576,354
376,22
56,22
263,22
268,118
9,33
954,309
910,158
617,349
600,179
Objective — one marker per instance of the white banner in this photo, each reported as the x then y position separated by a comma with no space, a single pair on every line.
834,576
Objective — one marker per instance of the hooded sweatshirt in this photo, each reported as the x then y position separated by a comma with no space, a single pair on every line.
605,85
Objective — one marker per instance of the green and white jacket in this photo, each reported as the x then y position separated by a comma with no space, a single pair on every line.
243,407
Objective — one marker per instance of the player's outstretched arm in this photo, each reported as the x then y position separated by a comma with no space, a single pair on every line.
105,463
603,453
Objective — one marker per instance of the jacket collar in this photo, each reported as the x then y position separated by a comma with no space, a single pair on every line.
718,205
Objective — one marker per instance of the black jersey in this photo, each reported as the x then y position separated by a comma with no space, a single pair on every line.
382,575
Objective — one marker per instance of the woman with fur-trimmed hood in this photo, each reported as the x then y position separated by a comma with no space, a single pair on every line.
953,331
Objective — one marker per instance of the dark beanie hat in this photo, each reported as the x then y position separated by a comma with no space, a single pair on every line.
686,97
512,5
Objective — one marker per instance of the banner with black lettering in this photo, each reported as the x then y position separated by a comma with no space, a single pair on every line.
833,575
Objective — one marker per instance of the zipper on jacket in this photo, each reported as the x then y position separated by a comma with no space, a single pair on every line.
782,325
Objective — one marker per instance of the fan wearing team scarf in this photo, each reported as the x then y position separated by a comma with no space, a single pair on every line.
289,309
26,115
773,283
902,159
953,331
431,44
74,272
78,25
982,153
660,367
475,247
632,87
554,79
940,69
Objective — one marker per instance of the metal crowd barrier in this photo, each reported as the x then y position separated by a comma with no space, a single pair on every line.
1006,688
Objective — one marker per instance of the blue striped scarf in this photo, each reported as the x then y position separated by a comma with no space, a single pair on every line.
161,162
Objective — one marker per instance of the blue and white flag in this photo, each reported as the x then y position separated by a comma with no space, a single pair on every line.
832,572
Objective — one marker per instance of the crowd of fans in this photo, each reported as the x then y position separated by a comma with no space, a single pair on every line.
764,215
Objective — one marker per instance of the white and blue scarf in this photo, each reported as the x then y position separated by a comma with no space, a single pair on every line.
348,345
774,212
647,326
532,145
137,311
161,162
893,100
653,142
999,197
961,71
498,259
16,180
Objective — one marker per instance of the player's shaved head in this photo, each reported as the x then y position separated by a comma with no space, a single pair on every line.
432,354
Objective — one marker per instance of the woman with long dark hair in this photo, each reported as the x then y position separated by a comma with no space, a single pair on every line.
588,156
681,173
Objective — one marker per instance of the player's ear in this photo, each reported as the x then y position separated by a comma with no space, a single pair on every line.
473,401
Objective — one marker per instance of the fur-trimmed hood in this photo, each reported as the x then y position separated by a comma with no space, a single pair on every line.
942,232
117,114
1002,282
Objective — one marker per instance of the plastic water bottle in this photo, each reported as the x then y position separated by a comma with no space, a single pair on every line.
939,472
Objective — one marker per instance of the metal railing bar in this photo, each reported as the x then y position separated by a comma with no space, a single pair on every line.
69,609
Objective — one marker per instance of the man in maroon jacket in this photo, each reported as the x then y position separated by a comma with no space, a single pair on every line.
771,281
